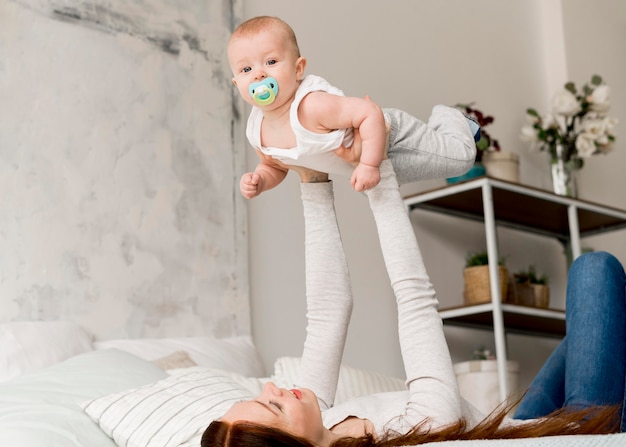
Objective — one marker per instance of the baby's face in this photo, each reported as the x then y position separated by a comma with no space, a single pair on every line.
265,54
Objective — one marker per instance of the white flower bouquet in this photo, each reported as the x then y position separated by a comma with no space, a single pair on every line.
577,126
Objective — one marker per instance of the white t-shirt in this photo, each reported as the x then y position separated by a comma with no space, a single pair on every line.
313,150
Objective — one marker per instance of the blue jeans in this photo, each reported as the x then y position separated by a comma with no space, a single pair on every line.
588,367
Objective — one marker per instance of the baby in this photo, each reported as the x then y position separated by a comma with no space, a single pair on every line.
300,119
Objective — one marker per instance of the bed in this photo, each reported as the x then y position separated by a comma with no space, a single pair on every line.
60,388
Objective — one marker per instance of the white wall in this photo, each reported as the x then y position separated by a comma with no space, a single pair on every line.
506,57
595,34
118,168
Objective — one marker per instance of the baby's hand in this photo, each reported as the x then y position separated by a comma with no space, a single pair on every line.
364,177
249,185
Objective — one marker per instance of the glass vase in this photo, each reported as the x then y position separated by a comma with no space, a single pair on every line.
564,174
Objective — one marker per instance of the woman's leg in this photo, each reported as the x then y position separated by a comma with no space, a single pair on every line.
443,147
547,391
590,364
596,332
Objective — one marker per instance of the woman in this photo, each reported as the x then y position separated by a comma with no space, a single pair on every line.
432,409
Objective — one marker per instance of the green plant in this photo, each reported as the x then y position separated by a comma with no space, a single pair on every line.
530,276
482,353
486,142
479,258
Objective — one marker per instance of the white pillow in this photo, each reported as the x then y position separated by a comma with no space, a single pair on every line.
31,345
237,354
175,360
169,412
353,382
42,408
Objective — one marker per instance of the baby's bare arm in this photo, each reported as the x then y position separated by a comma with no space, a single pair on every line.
272,171
268,174
322,112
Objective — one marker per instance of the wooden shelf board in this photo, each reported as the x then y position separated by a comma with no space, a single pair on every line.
518,319
520,206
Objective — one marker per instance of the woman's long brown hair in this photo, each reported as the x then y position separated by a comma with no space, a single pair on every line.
249,434
596,420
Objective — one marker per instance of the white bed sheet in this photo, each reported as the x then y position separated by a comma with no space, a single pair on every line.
612,440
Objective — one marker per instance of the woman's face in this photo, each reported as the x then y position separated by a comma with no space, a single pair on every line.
294,411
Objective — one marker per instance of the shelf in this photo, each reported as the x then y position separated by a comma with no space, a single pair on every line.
498,203
517,319
521,207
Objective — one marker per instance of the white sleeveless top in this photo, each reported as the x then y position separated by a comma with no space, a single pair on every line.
313,150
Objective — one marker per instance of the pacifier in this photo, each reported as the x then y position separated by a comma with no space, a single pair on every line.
264,92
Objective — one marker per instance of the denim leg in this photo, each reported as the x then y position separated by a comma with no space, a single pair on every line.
546,393
590,363
596,332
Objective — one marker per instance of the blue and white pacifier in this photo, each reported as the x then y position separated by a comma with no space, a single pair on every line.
264,92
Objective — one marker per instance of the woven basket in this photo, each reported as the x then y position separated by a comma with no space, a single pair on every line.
477,288
536,295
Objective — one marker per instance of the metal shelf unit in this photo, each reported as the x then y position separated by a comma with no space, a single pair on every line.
512,205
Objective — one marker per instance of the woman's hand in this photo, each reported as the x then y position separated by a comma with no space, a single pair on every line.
352,154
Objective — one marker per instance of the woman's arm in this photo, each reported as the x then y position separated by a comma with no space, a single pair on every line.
329,297
431,381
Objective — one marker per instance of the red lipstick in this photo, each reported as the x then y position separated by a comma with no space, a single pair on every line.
297,393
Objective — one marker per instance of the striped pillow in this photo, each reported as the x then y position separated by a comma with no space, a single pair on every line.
353,382
169,412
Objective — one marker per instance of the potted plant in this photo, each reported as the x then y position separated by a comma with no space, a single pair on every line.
477,288
485,142
497,163
530,289
576,128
